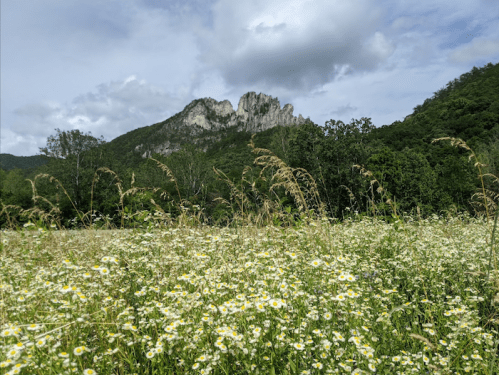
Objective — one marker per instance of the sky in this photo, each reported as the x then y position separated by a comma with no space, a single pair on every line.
109,67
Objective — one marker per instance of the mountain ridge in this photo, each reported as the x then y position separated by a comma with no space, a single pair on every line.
201,117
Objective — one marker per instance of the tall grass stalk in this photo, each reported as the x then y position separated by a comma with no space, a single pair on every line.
492,252
458,142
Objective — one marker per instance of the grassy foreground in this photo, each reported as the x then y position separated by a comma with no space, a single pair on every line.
413,297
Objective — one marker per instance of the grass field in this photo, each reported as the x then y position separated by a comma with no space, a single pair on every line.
414,297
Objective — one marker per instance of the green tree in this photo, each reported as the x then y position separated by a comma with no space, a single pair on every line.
280,142
15,189
190,168
305,146
406,177
73,159
345,145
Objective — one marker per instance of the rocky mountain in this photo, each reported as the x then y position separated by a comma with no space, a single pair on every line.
204,120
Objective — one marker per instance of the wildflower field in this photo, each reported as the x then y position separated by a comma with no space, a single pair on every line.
358,297
266,294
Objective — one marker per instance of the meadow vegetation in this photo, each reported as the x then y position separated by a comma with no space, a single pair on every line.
268,293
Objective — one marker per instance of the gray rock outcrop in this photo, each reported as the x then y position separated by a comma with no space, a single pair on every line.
254,113
261,112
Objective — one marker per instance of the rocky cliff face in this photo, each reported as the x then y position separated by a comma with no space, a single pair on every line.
254,113
262,112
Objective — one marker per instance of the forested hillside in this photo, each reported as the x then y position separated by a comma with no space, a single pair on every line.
467,108
357,168
8,161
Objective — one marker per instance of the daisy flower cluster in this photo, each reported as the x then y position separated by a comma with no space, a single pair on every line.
352,298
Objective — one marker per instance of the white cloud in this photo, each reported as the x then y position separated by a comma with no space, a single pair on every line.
294,46
379,46
116,108
402,23
477,48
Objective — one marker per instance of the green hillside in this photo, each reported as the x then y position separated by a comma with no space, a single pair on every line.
8,161
466,108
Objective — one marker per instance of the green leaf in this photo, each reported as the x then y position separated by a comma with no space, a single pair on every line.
291,363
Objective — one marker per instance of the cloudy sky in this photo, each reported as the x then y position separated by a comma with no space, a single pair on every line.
108,67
